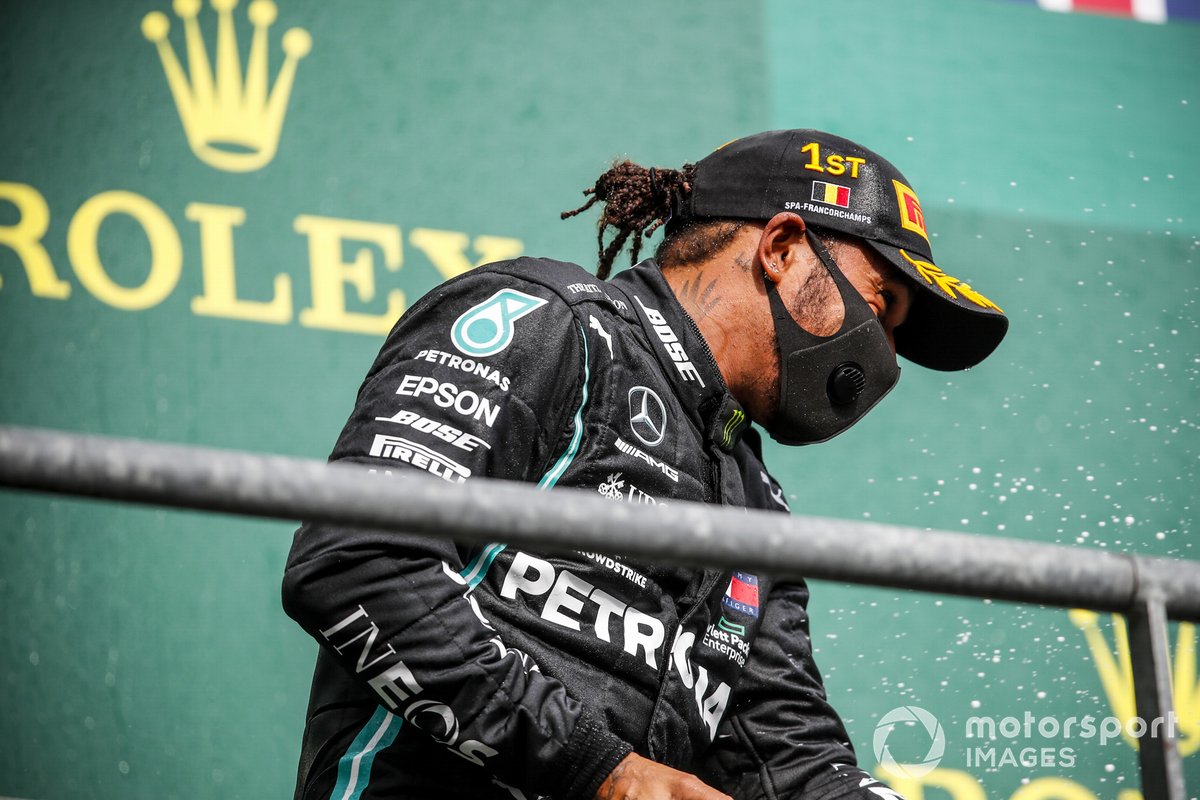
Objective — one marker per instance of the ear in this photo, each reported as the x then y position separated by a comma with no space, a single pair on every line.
780,244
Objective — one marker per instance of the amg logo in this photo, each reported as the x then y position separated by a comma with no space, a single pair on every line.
419,456
629,450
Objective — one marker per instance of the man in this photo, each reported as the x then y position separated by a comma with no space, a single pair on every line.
795,265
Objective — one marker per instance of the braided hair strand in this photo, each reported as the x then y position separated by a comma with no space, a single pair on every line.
637,202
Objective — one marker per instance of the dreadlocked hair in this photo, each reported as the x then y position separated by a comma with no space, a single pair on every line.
637,202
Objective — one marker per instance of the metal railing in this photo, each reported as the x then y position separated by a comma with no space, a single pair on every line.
1149,591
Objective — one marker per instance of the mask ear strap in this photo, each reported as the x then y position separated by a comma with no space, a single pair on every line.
778,311
791,335
857,310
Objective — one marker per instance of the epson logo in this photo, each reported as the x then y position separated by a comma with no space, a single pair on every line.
671,343
447,395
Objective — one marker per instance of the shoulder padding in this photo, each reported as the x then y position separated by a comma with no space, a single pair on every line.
571,282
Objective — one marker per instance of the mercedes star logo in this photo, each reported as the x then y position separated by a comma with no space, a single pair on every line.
647,416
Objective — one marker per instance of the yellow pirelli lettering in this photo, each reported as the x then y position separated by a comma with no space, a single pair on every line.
911,216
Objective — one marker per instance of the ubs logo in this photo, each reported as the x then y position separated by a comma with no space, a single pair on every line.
647,416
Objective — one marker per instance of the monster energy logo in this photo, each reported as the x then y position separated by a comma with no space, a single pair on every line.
731,427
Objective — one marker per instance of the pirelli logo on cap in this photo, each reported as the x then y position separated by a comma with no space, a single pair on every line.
911,217
831,194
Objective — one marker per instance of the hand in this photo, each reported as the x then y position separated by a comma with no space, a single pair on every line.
637,778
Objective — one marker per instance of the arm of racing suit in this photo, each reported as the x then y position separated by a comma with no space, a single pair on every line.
781,739
396,609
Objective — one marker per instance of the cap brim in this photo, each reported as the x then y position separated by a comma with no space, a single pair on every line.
949,326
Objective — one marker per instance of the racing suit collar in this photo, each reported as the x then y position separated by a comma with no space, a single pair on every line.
684,354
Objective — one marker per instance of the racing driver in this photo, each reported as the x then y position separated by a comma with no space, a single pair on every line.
794,266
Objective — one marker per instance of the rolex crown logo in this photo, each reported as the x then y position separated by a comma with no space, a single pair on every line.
231,121
1116,675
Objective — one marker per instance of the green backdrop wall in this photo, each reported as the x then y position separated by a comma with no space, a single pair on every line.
148,288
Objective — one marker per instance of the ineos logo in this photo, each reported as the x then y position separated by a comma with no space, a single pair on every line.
647,416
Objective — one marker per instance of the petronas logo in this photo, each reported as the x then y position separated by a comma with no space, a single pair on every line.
486,329
232,119
1116,674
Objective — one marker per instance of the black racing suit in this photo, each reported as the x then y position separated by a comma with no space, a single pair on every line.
456,672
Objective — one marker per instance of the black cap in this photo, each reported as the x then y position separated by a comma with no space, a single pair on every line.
836,184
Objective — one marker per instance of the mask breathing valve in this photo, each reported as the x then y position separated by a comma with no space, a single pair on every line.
846,383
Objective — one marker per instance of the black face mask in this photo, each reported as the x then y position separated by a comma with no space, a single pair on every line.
828,383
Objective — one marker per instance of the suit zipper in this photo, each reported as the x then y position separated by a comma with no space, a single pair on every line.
711,579
664,669
712,361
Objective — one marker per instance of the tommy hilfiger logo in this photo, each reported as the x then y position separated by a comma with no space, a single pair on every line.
231,121
742,593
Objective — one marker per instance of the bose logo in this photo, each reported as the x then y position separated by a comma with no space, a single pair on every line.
447,433
670,340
